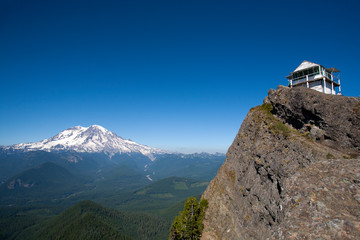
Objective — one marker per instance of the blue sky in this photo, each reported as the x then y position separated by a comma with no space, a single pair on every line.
178,75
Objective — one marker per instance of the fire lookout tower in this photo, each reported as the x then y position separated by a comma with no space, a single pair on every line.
315,76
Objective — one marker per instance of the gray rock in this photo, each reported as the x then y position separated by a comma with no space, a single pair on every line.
292,171
338,117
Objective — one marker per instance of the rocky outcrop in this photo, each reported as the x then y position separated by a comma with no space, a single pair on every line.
292,172
332,120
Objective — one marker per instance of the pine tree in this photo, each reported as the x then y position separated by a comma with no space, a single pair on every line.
188,225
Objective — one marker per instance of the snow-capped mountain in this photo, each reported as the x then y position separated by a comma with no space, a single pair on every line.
89,139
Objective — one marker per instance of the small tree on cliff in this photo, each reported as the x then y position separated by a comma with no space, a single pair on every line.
188,225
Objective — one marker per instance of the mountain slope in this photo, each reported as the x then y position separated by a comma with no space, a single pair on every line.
292,171
14,162
92,221
153,198
86,226
88,139
47,182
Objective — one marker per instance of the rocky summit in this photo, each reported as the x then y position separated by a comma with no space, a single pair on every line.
292,172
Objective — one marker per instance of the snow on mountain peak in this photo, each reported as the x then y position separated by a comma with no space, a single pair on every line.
98,127
89,139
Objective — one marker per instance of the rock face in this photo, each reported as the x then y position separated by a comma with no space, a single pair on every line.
334,120
292,172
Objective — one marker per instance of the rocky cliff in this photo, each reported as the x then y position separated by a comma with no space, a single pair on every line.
292,172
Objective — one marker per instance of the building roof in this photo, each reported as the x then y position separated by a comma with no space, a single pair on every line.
304,65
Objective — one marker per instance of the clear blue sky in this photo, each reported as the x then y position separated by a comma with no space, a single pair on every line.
178,75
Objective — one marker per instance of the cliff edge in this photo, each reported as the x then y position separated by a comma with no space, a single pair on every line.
292,172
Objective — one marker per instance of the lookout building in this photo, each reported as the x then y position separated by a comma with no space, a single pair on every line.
315,76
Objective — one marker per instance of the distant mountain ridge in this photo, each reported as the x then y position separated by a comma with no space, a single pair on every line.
91,150
88,139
